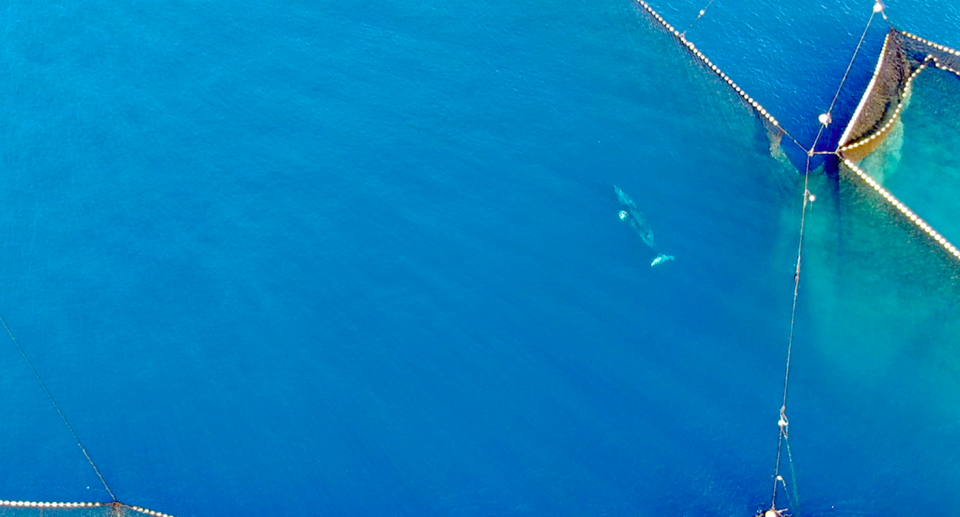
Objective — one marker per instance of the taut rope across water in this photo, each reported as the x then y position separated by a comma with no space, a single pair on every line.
847,149
114,503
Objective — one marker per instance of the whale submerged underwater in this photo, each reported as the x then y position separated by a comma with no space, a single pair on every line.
632,215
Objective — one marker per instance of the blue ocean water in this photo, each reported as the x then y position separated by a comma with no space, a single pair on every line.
364,259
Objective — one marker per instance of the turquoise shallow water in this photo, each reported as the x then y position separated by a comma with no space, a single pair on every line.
883,310
927,151
364,259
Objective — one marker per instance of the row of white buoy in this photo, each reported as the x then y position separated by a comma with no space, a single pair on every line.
937,64
660,19
700,55
43,504
879,133
890,198
149,512
863,100
913,217
40,504
942,48
883,52
896,114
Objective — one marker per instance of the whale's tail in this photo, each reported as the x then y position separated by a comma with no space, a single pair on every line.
661,258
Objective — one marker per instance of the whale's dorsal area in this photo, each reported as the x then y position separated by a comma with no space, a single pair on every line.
630,214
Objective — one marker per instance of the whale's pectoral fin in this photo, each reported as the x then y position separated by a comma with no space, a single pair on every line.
661,258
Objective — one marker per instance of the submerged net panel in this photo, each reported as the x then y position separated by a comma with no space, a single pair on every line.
72,509
903,57
882,103
940,56
773,127
902,208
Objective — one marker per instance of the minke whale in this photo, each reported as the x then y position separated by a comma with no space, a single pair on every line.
630,214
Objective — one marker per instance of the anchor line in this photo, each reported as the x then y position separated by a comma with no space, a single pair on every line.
783,440
794,140
700,15
718,72
843,80
853,58
56,406
784,422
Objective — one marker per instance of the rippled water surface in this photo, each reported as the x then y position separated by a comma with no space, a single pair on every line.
364,259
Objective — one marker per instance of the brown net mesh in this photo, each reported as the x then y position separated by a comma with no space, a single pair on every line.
870,147
903,57
72,509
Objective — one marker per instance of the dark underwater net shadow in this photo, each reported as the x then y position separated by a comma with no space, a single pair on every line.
903,58
77,509
871,248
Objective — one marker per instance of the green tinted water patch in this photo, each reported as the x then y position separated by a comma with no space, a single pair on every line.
924,172
877,341
874,278
882,164
886,289
883,303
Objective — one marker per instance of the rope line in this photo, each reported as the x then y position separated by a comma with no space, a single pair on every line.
59,411
702,12
909,214
794,140
793,479
783,439
115,506
784,422
716,70
825,118
852,59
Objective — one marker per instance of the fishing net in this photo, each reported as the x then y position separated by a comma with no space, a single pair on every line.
870,142
879,237
71,509
902,59
871,147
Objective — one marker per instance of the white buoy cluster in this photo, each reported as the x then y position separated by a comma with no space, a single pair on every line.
148,512
702,57
41,504
909,214
896,114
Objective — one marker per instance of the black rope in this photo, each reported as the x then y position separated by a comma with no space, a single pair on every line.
702,12
59,411
783,440
852,59
784,423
